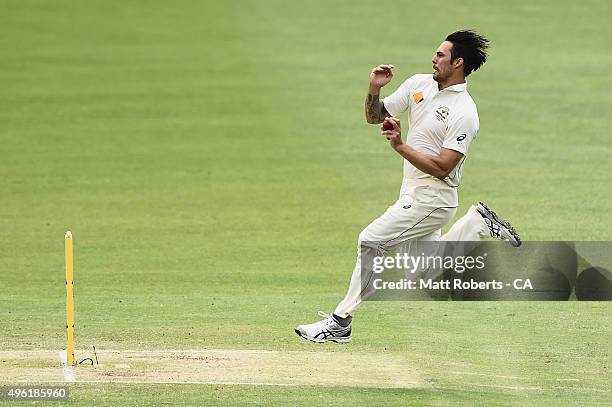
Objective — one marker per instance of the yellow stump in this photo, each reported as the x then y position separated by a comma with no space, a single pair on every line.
69,300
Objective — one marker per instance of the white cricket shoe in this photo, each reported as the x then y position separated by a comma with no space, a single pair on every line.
325,330
499,228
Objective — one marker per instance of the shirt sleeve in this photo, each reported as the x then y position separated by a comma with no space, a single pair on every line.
460,132
399,101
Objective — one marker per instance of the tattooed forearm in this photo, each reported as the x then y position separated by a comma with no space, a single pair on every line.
375,110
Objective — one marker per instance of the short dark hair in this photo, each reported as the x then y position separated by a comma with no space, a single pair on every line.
470,46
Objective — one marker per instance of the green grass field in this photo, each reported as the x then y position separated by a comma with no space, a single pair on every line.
214,165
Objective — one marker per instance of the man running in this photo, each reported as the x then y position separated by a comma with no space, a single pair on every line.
443,123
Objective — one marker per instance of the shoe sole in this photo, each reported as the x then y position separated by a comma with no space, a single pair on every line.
337,340
489,213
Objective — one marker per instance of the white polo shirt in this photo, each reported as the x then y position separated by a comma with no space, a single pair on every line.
437,120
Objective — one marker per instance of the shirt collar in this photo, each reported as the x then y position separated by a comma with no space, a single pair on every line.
460,87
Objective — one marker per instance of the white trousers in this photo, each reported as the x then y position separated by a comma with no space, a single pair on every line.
424,207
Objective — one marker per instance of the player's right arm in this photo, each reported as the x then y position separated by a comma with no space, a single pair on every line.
375,111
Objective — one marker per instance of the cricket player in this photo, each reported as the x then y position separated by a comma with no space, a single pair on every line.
443,122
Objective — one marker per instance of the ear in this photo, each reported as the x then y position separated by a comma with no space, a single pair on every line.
458,63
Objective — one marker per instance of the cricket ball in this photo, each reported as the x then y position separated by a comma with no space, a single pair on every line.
387,125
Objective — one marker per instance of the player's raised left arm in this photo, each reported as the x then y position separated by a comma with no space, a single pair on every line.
440,166
375,111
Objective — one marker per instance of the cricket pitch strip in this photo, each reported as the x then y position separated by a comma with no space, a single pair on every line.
219,366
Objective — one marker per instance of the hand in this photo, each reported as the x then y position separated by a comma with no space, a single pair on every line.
380,76
395,135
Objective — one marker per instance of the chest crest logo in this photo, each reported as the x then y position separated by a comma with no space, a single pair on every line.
442,113
418,97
